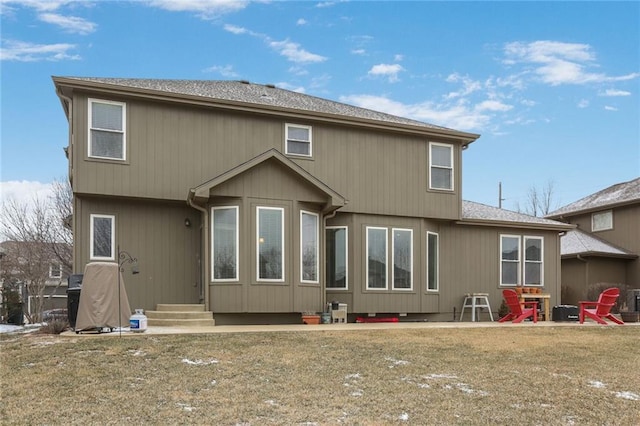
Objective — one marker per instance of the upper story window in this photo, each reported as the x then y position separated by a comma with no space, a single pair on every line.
55,270
602,221
298,140
107,123
441,166
103,237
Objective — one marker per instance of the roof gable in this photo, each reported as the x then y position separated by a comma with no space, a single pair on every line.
202,191
615,195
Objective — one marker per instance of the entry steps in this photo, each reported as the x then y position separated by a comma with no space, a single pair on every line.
180,315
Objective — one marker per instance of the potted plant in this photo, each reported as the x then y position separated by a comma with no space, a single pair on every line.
310,318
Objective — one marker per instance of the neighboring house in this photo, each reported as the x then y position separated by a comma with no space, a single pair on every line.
258,200
604,247
34,271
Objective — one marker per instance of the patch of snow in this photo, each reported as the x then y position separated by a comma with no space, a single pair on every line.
404,417
137,352
352,376
358,392
199,362
271,402
186,407
396,362
564,376
213,382
440,376
596,384
628,395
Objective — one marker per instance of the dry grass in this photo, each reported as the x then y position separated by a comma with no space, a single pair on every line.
510,375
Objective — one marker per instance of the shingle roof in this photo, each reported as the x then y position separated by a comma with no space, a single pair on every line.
621,193
577,242
257,94
472,211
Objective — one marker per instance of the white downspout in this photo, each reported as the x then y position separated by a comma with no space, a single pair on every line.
205,242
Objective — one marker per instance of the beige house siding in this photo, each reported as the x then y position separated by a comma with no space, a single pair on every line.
579,275
171,149
168,252
469,262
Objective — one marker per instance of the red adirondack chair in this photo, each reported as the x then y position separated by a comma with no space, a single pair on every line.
517,312
601,309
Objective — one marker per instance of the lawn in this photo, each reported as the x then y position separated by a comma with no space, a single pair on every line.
506,375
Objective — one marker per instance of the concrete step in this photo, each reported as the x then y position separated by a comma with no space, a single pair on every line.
180,307
178,315
180,323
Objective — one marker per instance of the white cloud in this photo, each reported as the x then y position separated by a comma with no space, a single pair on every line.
72,24
492,105
457,116
612,92
223,70
204,9
24,192
301,21
386,70
398,57
528,102
22,51
294,53
40,5
359,51
468,85
610,108
557,63
235,29
583,103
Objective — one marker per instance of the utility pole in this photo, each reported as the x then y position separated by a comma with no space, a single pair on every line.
500,199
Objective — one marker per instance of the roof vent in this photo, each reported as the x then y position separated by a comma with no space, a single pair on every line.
270,86
244,81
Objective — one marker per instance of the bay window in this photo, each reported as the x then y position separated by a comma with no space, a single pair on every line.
309,246
270,244
224,240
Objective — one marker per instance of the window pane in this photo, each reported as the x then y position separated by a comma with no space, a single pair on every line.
532,273
510,248
337,258
102,237
301,148
106,144
309,243
441,156
106,116
533,249
432,261
402,252
509,273
441,178
298,133
225,232
270,244
602,221
377,258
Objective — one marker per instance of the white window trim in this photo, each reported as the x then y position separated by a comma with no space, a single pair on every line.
346,258
393,259
519,261
431,166
437,262
287,139
113,237
123,132
258,244
525,261
593,228
51,270
237,277
386,247
317,248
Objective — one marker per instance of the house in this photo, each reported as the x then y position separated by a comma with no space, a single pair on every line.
34,275
603,249
262,203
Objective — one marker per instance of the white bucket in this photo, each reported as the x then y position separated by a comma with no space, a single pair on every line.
138,321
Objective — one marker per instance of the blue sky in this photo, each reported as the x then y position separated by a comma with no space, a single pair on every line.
552,87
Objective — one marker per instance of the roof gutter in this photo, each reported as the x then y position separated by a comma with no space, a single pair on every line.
539,226
205,242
